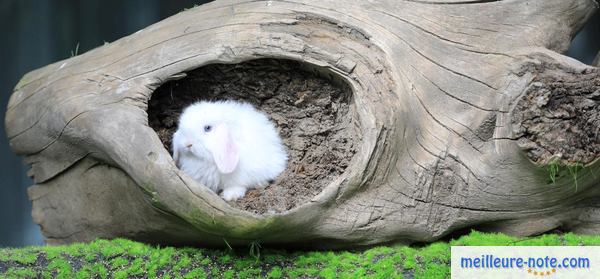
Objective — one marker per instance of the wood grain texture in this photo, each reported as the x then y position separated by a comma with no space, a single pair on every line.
434,83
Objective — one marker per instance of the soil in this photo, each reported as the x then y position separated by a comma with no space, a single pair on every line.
313,114
558,119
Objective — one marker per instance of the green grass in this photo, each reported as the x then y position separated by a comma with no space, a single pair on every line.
574,171
122,258
554,170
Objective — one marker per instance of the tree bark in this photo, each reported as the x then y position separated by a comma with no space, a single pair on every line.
469,116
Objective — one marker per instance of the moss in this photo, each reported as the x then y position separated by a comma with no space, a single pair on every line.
229,274
122,258
24,257
275,273
195,273
19,273
183,262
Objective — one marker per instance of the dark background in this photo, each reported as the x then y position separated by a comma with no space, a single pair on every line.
34,33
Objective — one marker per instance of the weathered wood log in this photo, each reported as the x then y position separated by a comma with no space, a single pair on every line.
466,116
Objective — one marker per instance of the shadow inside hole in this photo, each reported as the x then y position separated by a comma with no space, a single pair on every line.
586,44
312,110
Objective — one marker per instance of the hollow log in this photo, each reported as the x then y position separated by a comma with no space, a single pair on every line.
462,114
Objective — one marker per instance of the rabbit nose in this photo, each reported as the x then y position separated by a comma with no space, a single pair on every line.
189,145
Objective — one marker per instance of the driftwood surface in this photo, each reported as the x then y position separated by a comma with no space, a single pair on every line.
447,95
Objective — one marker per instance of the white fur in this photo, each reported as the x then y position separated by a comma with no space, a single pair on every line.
262,156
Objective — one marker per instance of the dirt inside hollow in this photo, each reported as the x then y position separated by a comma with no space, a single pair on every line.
313,115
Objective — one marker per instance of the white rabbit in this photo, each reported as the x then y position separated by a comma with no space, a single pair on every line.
228,146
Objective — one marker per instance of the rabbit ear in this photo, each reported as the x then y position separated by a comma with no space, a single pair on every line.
225,152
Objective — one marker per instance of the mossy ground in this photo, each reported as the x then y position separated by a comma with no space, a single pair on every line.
122,258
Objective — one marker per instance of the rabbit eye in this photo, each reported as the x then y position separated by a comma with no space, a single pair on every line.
207,128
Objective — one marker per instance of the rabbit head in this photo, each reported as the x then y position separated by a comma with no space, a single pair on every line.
205,132
228,146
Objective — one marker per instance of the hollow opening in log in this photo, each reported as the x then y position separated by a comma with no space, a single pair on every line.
311,107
